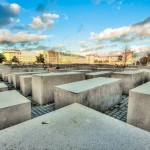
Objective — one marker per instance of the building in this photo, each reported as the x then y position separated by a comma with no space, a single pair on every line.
24,57
124,58
51,57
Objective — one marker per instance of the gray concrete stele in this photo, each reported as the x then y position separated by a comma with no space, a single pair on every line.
97,93
130,79
43,84
139,107
74,127
14,109
3,87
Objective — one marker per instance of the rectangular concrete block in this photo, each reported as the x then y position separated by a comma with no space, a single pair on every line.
130,79
6,78
14,109
10,71
147,76
139,107
83,71
26,85
10,78
3,87
16,77
43,84
74,127
109,69
98,93
98,74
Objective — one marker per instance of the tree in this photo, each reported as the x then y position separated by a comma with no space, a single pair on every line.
15,59
96,61
143,61
126,56
2,58
40,58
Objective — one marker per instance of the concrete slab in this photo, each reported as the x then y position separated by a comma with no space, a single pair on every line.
83,71
131,69
6,78
139,107
81,128
10,78
146,74
108,69
10,71
14,108
98,74
3,87
130,79
26,85
16,77
98,93
43,84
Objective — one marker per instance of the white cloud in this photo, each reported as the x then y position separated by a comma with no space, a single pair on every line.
15,8
93,48
44,21
8,12
126,33
7,37
140,49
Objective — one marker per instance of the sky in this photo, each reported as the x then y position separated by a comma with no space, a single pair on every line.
75,26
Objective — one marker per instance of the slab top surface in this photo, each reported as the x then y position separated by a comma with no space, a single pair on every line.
57,74
107,68
144,89
98,73
80,86
26,76
20,73
128,72
2,85
10,98
81,128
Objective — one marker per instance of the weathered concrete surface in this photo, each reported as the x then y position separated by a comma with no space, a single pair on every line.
14,109
108,69
98,74
83,71
139,107
81,128
130,79
16,77
146,74
8,71
10,78
131,69
26,85
98,93
6,78
3,87
43,84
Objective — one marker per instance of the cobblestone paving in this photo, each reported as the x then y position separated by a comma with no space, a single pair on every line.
119,111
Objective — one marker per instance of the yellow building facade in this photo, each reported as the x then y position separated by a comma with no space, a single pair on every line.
24,57
51,57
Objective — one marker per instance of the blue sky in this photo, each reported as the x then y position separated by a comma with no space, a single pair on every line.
77,26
